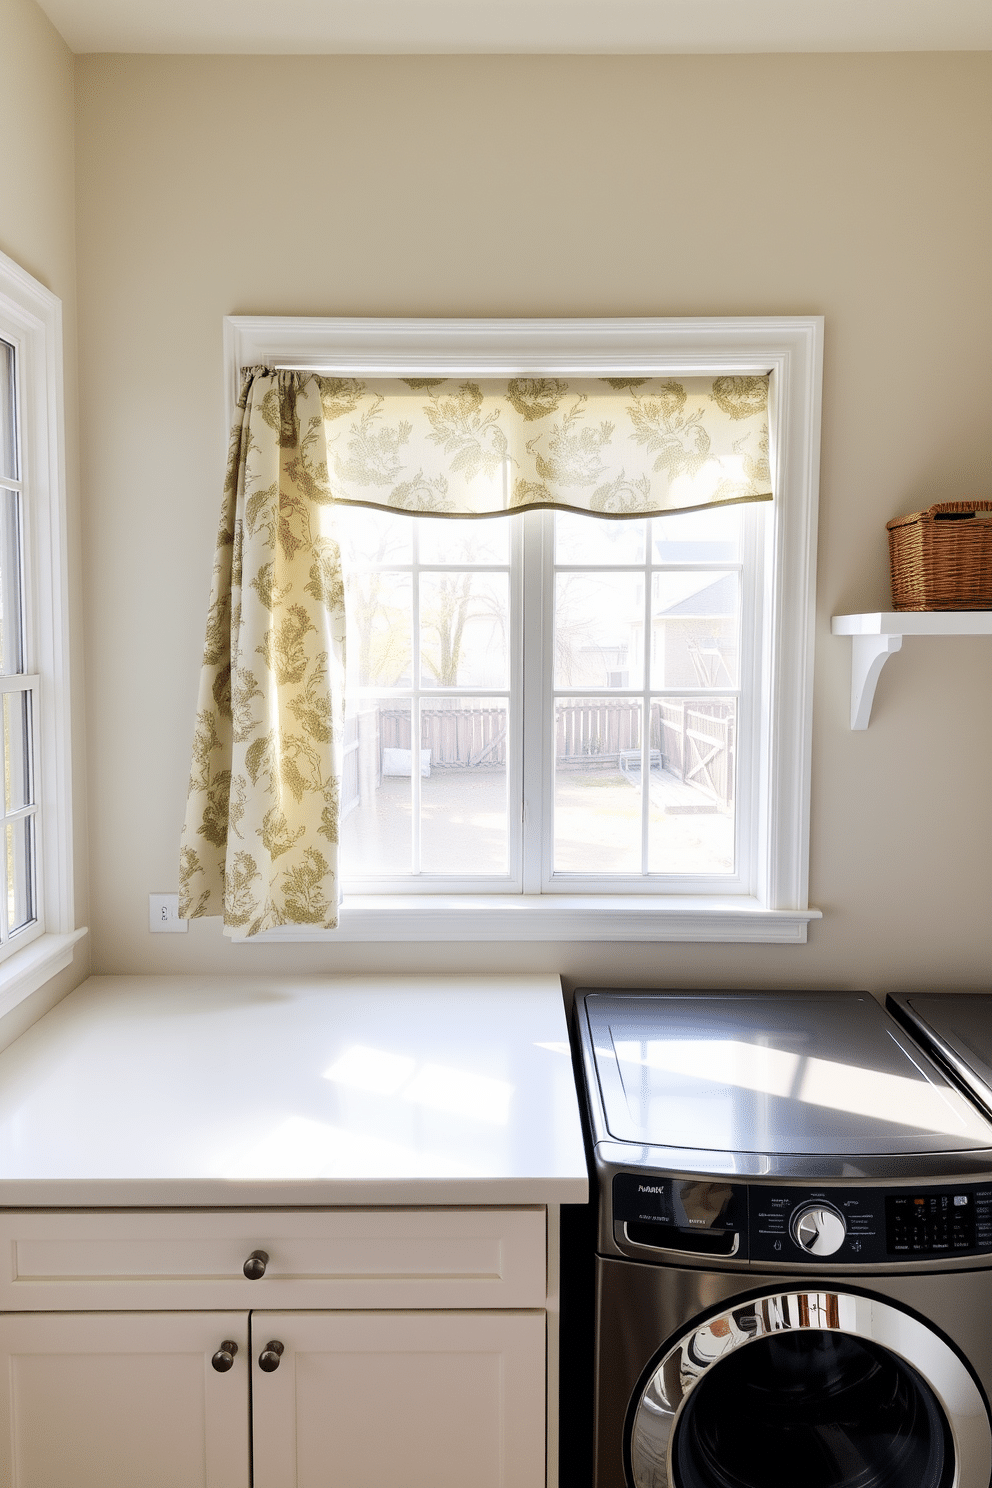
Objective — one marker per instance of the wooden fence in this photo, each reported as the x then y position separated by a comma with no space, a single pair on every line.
596,731
698,742
695,740
458,738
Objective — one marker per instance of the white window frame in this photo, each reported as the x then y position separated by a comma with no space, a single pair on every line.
790,348
31,321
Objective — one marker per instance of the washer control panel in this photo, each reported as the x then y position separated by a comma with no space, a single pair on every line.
838,1224
779,1223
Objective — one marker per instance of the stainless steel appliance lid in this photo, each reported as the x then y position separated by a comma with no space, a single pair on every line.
782,1074
959,1027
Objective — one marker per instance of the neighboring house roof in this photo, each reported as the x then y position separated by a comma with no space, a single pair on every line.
717,600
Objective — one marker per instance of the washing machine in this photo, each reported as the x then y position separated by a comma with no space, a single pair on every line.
794,1246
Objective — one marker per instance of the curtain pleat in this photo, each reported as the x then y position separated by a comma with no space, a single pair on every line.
259,843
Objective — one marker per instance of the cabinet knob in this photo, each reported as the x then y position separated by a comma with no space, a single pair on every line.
223,1359
255,1265
269,1358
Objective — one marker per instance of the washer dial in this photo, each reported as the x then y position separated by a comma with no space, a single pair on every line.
818,1230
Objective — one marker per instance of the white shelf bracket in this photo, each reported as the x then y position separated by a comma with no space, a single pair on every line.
869,654
874,638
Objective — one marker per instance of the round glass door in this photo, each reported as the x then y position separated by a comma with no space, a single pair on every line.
818,1389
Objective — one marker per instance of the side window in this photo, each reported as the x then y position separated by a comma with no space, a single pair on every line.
36,891
18,689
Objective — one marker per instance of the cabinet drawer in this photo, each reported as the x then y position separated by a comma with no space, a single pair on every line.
337,1258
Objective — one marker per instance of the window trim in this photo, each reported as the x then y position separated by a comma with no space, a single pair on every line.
791,348
31,320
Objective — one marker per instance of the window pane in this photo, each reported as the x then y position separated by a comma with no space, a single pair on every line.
463,798
692,787
17,749
11,595
710,536
464,542
20,876
463,625
694,629
593,540
8,439
376,788
379,629
597,785
369,537
599,626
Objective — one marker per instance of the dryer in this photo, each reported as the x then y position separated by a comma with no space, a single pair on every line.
794,1248
956,1028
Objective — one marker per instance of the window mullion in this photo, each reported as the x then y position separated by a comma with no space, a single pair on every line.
415,722
515,773
538,736
646,659
754,662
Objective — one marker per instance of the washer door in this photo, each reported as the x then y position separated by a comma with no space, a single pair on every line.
818,1389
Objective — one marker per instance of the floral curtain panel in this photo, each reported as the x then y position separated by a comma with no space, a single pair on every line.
259,844
614,447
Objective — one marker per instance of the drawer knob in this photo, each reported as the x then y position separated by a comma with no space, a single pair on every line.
255,1265
223,1359
269,1358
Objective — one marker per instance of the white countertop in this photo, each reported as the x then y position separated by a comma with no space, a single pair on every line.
240,1091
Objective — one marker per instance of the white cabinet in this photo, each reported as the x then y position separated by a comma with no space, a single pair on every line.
129,1399
426,1400
412,1348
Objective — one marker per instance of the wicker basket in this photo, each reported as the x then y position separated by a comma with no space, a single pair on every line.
941,558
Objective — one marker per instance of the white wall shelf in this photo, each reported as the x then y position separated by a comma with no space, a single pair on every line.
875,637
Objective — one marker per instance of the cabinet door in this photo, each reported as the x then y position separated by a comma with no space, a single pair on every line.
426,1400
90,1400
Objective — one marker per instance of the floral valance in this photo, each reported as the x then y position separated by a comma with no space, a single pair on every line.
614,447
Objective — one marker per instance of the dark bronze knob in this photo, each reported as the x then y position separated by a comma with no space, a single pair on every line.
223,1359
269,1358
255,1265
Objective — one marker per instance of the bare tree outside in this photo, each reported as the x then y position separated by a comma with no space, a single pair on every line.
446,619
378,598
381,629
451,606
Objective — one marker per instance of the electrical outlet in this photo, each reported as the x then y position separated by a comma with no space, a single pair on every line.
163,914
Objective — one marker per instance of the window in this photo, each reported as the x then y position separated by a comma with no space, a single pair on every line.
18,690
562,726
628,775
36,933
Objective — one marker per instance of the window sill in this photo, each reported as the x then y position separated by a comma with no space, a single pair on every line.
426,917
27,970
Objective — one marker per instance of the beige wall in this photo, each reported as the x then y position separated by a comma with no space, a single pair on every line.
38,231
853,186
